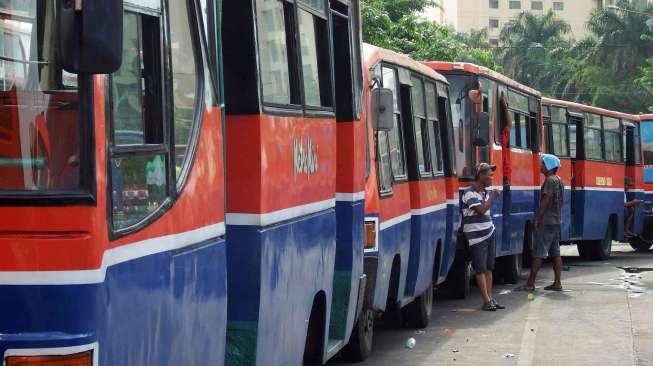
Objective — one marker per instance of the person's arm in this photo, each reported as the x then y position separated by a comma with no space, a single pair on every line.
482,207
506,112
632,203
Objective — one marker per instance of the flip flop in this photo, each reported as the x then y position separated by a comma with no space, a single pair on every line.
553,288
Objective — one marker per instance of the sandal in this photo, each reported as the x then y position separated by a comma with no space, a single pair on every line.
497,305
489,306
553,288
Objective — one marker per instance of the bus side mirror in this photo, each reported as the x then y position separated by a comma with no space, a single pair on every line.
89,35
482,129
382,109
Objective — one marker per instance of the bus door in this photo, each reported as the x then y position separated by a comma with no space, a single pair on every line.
633,173
448,153
524,141
575,119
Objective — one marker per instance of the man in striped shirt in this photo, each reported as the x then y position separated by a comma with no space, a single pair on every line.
478,229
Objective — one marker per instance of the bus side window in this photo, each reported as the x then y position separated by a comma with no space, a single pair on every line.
593,137
435,142
293,37
347,61
446,130
139,159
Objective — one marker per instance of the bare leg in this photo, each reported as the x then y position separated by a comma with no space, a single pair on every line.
482,286
557,269
535,267
488,281
627,225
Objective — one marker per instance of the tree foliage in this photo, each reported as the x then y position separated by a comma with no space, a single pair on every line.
612,68
397,25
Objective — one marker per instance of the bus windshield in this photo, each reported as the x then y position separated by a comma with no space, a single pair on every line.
461,117
647,147
39,103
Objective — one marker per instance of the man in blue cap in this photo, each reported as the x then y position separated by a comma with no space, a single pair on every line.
546,224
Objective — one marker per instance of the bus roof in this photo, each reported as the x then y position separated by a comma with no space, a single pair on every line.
645,117
590,109
481,70
374,55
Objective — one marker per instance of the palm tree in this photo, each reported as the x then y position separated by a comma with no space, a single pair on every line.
525,44
476,38
621,42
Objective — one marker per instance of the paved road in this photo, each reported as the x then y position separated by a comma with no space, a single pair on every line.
604,318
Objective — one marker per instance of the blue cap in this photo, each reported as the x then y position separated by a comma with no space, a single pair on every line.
550,161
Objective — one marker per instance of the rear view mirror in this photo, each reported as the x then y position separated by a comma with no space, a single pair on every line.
89,35
382,109
482,129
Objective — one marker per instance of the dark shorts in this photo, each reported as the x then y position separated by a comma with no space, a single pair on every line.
483,255
546,241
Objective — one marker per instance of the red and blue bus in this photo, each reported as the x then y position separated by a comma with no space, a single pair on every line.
642,139
295,152
601,167
513,211
112,246
408,234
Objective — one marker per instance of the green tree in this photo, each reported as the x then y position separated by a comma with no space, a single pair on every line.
396,25
618,33
527,42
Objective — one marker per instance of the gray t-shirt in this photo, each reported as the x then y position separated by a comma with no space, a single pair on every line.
555,189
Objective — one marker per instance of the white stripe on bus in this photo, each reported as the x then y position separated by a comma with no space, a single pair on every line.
112,257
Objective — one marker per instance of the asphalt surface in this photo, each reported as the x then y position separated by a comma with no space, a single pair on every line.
602,318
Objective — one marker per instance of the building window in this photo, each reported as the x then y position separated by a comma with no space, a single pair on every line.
558,5
494,23
536,5
494,42
515,4
494,4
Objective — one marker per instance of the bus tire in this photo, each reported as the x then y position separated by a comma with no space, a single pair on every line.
601,249
640,245
511,268
418,312
459,278
584,249
359,346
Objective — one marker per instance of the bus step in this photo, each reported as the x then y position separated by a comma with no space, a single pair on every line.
333,347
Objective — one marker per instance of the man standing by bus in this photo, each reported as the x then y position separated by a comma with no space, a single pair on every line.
546,224
478,229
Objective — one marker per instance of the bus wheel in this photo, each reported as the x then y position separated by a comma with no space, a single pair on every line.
459,277
601,249
640,245
418,312
511,268
360,342
584,249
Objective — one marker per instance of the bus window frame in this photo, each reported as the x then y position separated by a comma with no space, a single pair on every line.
528,124
293,50
86,193
619,132
446,129
384,193
548,123
433,171
174,185
352,16
600,129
